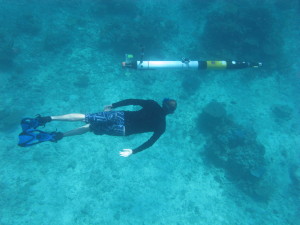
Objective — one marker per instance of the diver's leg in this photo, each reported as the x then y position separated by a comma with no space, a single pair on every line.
78,131
42,120
69,117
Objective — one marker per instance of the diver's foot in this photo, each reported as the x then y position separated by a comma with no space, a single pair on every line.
43,119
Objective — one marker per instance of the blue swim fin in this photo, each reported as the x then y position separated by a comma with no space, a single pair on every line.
31,137
33,123
29,123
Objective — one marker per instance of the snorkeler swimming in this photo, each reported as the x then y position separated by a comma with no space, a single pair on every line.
151,118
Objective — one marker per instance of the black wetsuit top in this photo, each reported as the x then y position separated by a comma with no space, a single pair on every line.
151,118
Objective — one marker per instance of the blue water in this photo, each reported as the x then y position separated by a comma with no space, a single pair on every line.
230,154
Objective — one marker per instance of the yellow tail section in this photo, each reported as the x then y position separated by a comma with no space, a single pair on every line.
216,65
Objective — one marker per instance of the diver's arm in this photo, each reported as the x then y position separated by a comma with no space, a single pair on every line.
147,144
126,102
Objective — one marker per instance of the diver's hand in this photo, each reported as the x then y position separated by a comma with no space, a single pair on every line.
107,108
126,152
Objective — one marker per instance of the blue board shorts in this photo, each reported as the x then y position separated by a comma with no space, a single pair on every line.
110,123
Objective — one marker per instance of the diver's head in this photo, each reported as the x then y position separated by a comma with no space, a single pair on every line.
169,105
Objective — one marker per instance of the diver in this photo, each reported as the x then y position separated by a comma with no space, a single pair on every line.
150,118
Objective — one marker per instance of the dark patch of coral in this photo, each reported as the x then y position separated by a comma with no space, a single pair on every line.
10,119
212,118
115,7
233,147
295,176
28,24
236,33
191,84
127,37
282,113
7,53
82,81
242,33
56,41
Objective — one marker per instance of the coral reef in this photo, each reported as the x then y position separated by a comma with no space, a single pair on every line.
232,147
213,117
237,150
245,33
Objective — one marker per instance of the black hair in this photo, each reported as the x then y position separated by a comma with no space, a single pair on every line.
169,105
